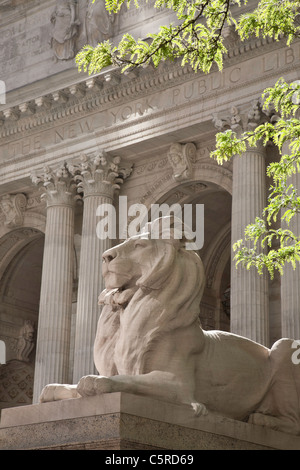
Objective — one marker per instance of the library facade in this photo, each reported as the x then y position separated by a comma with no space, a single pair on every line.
71,142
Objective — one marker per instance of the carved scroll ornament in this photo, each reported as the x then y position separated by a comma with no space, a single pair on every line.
13,207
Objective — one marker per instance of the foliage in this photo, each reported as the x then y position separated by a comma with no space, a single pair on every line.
196,37
279,246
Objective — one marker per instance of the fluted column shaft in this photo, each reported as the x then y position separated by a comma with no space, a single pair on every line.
53,341
90,285
290,281
249,290
98,178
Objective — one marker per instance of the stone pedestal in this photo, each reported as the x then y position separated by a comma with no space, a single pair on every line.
121,421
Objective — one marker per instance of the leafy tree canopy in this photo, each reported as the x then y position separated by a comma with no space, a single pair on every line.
196,37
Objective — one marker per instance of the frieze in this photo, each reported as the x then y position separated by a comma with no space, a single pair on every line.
156,165
183,89
147,167
34,201
97,112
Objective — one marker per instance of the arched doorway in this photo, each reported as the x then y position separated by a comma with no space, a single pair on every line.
216,250
21,257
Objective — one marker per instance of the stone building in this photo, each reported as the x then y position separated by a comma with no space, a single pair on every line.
119,133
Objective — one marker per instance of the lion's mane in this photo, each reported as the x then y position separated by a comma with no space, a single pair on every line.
166,298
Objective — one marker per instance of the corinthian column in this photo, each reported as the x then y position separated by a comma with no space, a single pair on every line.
249,304
290,281
99,176
53,341
249,290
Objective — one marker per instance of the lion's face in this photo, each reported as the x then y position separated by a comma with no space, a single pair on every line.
131,261
154,266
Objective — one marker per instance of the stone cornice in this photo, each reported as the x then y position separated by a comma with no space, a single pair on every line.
110,88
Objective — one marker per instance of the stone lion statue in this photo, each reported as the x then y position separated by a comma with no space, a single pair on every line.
149,341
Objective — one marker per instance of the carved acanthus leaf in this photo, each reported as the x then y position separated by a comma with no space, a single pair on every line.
57,186
241,120
99,172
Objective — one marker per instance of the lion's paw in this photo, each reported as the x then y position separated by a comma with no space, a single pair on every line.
199,409
94,385
55,392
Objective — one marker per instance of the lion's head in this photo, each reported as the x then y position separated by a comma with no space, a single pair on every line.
158,282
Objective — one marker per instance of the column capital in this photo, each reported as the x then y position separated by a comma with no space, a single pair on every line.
241,119
57,185
99,174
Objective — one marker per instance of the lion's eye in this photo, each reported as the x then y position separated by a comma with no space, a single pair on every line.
139,244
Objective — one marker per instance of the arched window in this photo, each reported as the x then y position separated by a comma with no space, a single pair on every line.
2,352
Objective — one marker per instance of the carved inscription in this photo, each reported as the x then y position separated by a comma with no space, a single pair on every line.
134,110
272,62
24,146
190,91
48,138
233,76
70,131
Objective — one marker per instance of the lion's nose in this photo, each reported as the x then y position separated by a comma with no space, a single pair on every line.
108,256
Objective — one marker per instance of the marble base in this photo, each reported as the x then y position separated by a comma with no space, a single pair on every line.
120,421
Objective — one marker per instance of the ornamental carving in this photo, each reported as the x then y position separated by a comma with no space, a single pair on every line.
25,343
149,340
98,23
16,383
13,207
181,157
57,186
241,120
65,25
99,174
